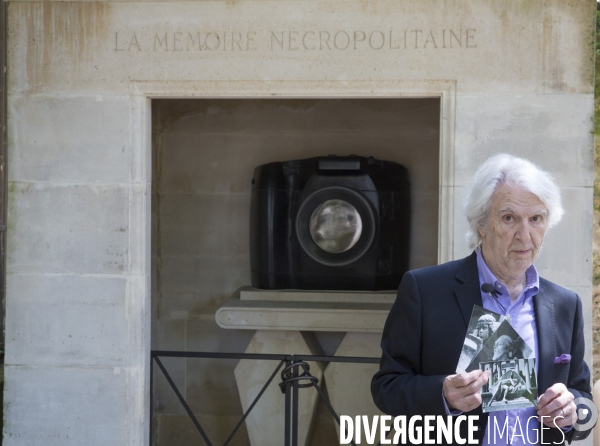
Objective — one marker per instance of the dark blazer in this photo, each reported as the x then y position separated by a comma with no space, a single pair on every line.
424,333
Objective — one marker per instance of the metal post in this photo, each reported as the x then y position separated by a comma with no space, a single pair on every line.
287,408
151,393
295,407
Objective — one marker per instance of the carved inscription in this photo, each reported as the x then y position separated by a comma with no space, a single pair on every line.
293,40
37,435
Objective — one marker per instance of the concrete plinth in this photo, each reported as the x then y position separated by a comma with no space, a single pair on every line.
341,376
309,311
266,422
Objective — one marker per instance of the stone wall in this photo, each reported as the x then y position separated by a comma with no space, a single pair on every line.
513,77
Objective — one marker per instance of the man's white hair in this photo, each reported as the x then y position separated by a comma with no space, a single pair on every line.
512,171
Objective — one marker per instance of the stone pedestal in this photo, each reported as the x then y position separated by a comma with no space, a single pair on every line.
252,309
286,321
342,376
266,422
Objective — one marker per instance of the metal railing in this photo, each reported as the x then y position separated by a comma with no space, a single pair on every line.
294,376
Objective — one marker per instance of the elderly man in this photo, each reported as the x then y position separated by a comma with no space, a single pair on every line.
510,204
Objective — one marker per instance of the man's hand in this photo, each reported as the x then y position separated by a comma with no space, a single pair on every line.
463,391
556,403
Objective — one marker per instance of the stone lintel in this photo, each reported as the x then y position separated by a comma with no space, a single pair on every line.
305,310
253,294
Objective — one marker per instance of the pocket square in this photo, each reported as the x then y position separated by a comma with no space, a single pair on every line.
565,358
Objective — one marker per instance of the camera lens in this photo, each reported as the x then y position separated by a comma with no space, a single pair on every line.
335,226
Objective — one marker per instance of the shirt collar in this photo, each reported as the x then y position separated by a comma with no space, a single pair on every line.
532,279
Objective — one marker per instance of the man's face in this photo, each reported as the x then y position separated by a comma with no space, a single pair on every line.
514,232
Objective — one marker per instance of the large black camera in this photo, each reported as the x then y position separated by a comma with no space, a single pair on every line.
330,223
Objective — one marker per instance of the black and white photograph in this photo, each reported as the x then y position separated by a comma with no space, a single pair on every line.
503,344
512,385
482,325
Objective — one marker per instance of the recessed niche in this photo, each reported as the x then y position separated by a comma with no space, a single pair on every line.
204,154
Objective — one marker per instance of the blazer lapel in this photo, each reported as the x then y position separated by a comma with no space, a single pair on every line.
468,292
543,305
